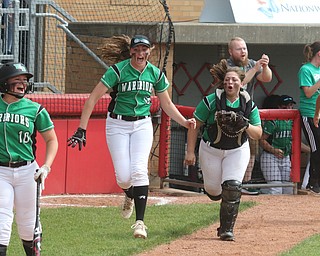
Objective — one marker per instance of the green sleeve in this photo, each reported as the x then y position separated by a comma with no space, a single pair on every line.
305,77
206,109
43,121
255,117
268,127
163,83
110,78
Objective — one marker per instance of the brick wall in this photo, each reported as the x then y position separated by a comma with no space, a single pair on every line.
182,10
83,73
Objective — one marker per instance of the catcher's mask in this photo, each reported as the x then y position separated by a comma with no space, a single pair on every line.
10,70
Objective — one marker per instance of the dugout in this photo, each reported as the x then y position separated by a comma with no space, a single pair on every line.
178,179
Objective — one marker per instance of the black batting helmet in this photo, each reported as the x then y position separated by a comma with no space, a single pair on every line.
9,70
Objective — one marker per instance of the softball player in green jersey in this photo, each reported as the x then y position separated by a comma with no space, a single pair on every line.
309,83
129,128
276,143
256,70
20,120
224,159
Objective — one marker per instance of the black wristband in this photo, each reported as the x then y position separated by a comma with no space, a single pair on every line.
82,130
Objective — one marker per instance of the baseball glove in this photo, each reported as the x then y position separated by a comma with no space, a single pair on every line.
231,123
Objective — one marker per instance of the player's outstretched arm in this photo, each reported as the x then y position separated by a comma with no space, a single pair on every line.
79,136
171,110
95,95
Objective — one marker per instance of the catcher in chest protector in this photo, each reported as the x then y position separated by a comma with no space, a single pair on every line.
228,117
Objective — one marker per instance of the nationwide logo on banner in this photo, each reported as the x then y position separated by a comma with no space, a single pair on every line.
276,11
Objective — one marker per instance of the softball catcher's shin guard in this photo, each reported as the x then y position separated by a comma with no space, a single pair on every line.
231,194
3,250
27,246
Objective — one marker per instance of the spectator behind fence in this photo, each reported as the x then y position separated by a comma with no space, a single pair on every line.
276,143
309,84
224,158
255,70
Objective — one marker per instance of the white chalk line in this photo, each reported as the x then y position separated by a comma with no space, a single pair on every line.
160,200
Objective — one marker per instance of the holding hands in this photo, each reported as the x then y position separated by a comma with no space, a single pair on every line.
191,123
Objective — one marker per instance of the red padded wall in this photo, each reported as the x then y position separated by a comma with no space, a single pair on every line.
56,181
90,170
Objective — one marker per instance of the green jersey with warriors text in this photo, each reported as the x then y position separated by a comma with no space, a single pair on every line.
132,89
19,122
206,114
280,131
308,75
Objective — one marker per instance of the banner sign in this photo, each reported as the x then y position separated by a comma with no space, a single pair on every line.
276,11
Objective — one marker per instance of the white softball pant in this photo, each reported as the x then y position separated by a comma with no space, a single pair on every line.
219,165
276,171
17,190
129,144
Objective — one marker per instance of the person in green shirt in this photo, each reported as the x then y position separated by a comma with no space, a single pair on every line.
20,121
276,142
309,84
256,70
224,159
129,130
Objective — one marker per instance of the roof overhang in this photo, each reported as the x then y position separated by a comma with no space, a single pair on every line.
216,33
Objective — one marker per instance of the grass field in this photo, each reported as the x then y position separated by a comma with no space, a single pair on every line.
72,231
308,247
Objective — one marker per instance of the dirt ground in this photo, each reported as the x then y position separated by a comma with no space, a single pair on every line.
275,225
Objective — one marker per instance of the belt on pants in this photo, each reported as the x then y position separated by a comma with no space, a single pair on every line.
16,164
127,118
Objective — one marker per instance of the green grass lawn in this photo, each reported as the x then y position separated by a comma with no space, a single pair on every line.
308,247
72,231
102,231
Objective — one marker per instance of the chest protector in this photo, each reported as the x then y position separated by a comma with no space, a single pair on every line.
217,138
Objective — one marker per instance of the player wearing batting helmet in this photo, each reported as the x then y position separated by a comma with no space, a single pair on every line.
229,116
20,120
129,131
